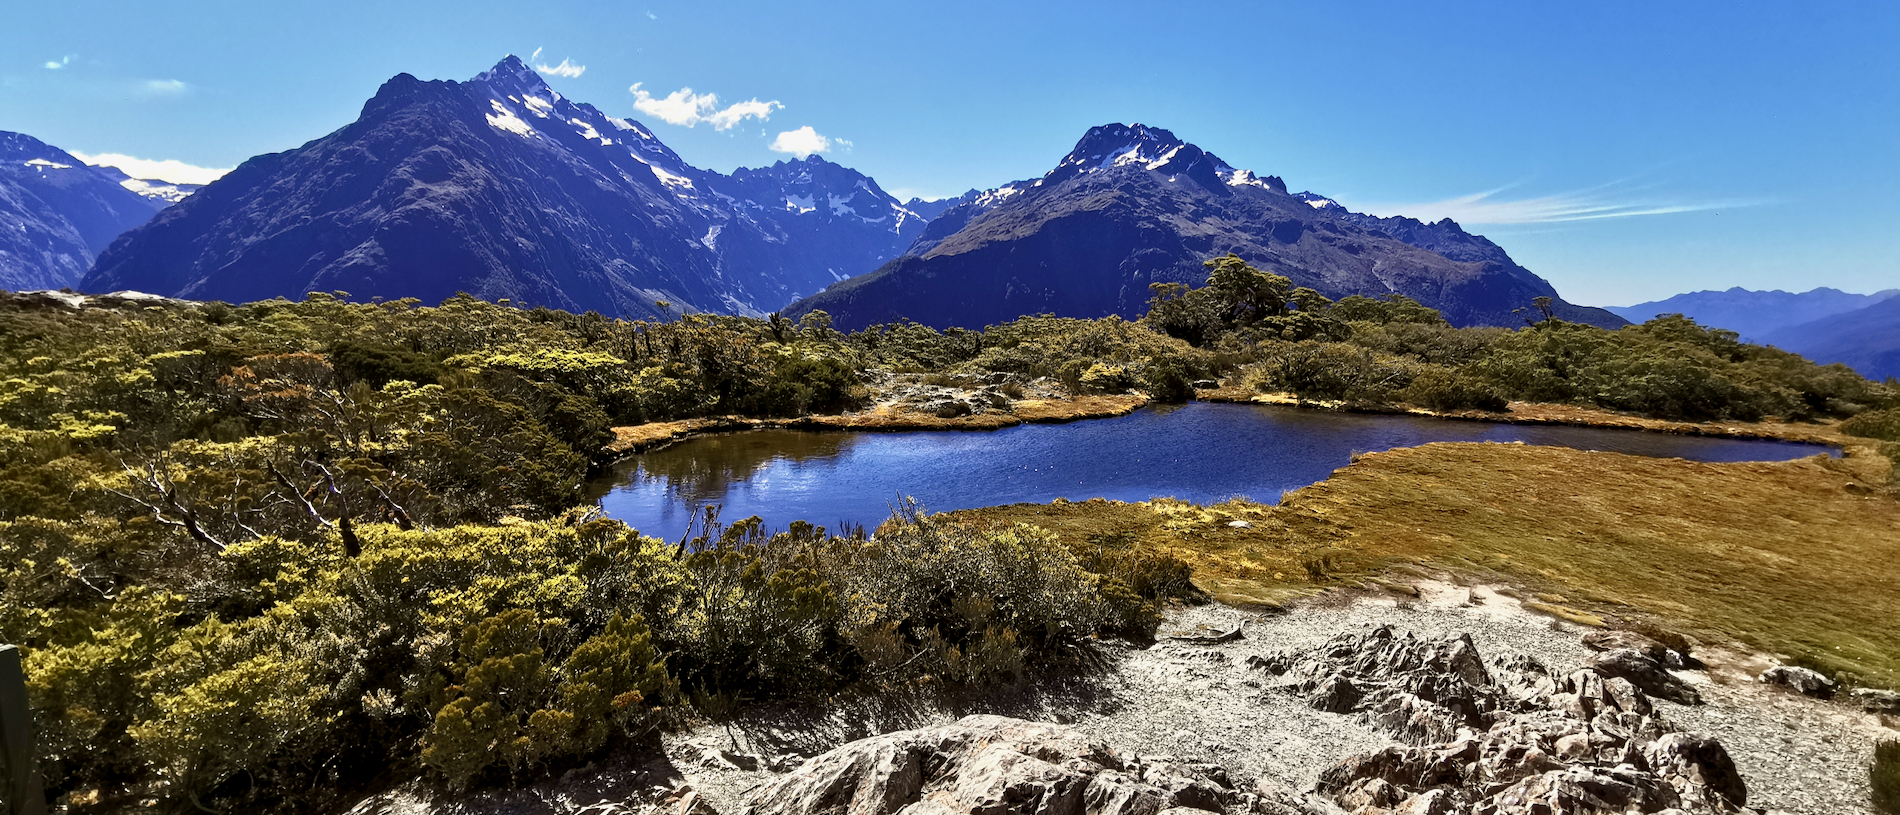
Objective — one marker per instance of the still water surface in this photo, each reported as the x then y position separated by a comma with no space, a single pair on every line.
1202,452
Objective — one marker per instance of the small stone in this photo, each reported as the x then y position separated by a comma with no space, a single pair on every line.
1800,680
1874,700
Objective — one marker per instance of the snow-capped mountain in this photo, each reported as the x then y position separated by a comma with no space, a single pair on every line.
57,214
1134,205
501,187
165,192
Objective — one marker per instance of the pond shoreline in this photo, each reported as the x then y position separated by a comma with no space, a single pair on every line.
635,439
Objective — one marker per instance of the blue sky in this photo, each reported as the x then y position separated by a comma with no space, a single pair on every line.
1623,151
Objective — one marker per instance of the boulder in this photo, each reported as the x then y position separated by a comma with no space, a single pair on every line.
1699,769
1800,680
1605,639
1645,673
1421,691
1874,700
1582,791
993,765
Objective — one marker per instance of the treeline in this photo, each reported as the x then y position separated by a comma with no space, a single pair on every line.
1393,350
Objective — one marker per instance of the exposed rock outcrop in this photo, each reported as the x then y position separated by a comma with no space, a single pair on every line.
996,765
1509,737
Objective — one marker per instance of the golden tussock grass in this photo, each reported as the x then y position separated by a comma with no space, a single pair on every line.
1800,558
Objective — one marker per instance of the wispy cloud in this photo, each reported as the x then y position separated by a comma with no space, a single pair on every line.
567,68
801,142
1594,204
652,16
166,87
172,170
685,108
56,64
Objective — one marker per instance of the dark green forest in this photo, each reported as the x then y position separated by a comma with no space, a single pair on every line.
257,556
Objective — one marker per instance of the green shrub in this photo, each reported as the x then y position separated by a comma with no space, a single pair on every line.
1166,380
1884,776
1875,424
1329,370
510,706
1105,378
378,366
1443,389
924,597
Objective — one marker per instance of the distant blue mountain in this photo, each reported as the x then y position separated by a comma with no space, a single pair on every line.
1866,339
1753,314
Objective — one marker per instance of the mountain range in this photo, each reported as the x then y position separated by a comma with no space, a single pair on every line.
1865,339
1826,325
1755,315
502,188
57,213
1133,205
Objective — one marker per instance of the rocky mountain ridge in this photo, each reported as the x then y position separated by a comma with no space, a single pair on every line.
501,187
57,213
1134,205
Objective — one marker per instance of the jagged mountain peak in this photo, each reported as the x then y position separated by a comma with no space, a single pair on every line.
513,76
1134,205
501,187
1115,146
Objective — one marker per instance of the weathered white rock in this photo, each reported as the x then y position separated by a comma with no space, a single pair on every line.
990,765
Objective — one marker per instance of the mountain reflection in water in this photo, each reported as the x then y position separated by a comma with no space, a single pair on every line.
1198,452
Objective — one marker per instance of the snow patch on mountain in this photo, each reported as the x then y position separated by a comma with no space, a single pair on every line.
505,119
156,189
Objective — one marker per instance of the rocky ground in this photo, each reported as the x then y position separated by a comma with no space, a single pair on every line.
1203,706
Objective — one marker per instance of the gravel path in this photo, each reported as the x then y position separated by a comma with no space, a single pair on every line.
1200,701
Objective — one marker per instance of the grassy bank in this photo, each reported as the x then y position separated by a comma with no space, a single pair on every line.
638,438
1796,558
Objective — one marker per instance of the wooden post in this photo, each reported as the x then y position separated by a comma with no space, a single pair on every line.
18,780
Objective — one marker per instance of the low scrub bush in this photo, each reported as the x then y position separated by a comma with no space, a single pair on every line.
1444,389
1330,370
1875,424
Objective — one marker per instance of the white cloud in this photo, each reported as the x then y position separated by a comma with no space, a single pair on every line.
172,170
165,86
1586,205
566,69
56,64
801,142
652,16
683,107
